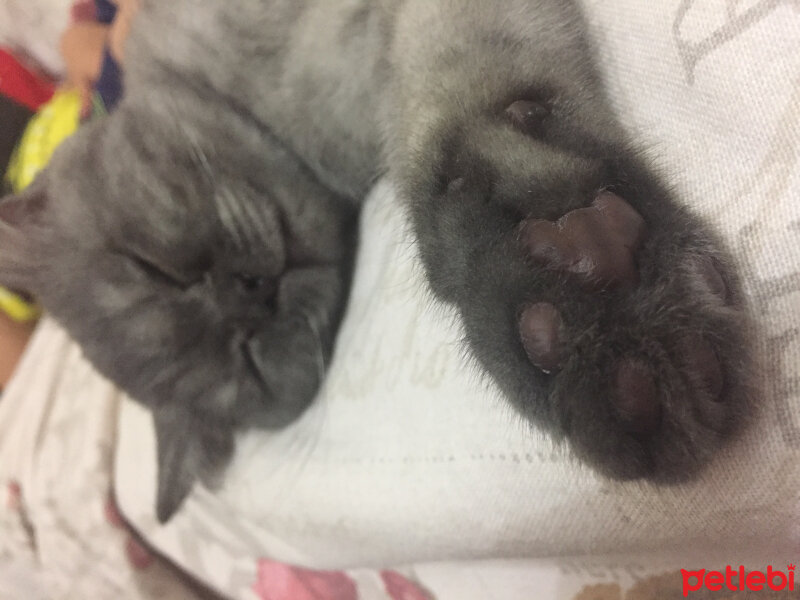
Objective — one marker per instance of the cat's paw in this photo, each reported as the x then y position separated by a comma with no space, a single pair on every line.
642,355
606,311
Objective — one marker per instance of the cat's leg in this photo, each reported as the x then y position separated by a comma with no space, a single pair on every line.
606,311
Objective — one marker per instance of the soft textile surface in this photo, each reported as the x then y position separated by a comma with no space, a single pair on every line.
408,458
35,26
57,534
57,540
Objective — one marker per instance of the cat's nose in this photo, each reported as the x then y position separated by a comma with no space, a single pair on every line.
256,289
250,284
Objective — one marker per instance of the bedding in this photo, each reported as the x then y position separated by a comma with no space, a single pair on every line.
382,490
59,535
35,27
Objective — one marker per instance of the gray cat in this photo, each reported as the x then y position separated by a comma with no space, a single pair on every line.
198,243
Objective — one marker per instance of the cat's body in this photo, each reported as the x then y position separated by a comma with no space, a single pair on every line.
227,184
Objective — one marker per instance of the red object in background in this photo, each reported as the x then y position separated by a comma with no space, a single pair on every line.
21,84
83,10
402,588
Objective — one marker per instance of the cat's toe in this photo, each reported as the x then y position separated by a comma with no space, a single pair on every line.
634,396
638,393
541,333
710,280
597,244
528,115
702,367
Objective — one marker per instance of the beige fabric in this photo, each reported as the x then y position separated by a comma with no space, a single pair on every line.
57,436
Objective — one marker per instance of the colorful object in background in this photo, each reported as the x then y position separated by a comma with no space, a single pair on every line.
22,92
28,140
21,84
82,11
15,307
54,122
281,581
108,87
41,119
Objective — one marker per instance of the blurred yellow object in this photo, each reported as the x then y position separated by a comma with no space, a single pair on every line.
16,308
54,122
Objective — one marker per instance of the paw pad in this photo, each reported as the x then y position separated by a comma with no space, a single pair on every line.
528,115
635,396
712,279
540,329
597,244
702,366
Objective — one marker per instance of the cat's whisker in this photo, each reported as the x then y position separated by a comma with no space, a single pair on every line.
320,355
201,159
230,214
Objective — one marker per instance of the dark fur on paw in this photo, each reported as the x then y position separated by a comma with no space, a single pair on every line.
605,310
666,386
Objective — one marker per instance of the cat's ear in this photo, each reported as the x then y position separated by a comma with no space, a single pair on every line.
23,235
17,211
190,446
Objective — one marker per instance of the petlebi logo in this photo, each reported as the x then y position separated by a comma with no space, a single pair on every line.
738,580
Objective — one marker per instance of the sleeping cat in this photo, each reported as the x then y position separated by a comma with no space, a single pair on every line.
198,242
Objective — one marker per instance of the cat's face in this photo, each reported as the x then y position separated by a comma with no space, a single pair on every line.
211,301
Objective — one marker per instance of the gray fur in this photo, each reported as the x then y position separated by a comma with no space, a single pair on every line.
248,136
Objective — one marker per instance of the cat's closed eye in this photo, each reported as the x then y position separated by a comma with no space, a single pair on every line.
163,273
